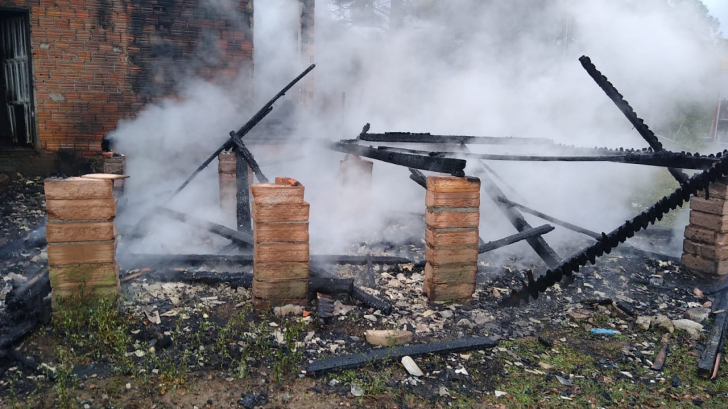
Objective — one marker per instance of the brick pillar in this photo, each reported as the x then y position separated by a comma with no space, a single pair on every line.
452,217
81,236
705,248
280,250
228,184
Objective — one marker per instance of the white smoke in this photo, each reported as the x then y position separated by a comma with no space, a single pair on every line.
458,67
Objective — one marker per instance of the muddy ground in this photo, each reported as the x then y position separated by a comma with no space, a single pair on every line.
186,345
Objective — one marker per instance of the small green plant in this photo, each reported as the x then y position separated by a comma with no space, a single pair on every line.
64,378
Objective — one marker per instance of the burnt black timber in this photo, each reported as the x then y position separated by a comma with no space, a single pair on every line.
628,112
661,159
242,195
496,244
716,339
152,260
249,159
31,300
371,301
14,335
418,177
238,237
537,243
715,288
407,137
354,361
420,161
265,110
550,219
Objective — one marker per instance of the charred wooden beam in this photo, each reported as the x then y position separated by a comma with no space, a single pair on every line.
660,159
418,160
242,195
238,237
418,177
526,234
152,260
265,110
248,157
546,217
714,343
354,361
628,112
408,137
537,243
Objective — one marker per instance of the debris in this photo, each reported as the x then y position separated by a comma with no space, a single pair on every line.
644,322
546,342
660,358
579,314
515,238
603,331
697,314
698,293
663,323
691,327
358,360
675,381
498,394
356,391
411,367
288,309
564,381
388,337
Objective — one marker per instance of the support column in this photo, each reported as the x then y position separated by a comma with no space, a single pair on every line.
451,252
81,236
705,248
115,165
280,252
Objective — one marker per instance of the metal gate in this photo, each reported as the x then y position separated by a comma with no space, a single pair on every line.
13,32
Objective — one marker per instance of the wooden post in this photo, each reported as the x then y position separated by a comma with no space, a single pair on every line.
81,235
452,217
280,252
705,248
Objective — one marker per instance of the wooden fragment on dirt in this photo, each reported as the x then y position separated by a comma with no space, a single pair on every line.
706,364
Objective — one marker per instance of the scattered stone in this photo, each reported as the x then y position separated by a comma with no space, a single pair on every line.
643,322
698,293
697,314
370,317
663,323
498,394
411,367
579,314
357,391
389,337
691,327
251,400
656,281
465,323
446,314
288,309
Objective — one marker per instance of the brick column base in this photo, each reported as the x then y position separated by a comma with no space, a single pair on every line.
81,236
705,248
452,217
280,250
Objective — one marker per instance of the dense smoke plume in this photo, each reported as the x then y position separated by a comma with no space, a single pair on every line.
483,68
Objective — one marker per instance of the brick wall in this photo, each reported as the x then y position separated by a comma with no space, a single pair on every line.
97,61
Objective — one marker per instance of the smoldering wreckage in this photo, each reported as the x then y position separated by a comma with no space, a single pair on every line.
81,240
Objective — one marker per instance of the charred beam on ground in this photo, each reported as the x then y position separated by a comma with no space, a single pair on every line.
526,234
419,160
265,110
238,237
407,137
639,124
716,339
355,361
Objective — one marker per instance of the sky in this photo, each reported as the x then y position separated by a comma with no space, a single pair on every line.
719,10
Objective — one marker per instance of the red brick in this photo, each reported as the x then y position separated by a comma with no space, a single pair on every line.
452,184
455,217
451,255
714,222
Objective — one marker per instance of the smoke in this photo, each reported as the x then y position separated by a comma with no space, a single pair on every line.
487,68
